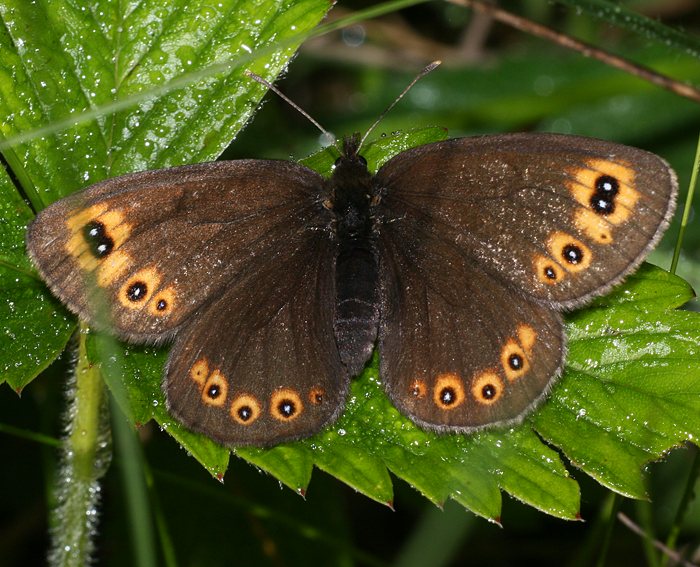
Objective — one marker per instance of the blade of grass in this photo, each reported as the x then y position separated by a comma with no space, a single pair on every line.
131,466
686,209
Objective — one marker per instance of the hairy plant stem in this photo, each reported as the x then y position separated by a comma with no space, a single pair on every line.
86,454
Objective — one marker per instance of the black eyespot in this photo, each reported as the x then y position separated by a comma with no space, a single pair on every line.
287,408
214,391
572,254
603,199
161,305
489,391
515,361
607,185
448,396
96,236
602,206
245,409
137,291
549,273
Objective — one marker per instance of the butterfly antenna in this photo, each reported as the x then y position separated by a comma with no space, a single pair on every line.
330,137
427,69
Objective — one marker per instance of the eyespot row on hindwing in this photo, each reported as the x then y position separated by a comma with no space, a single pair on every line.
486,386
283,404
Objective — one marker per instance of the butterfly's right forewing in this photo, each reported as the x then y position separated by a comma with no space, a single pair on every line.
141,253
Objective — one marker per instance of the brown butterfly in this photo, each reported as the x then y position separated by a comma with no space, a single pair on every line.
274,284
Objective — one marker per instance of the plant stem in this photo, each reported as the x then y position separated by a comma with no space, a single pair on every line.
86,454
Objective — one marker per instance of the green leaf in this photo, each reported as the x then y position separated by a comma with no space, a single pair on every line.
35,326
95,60
291,464
631,390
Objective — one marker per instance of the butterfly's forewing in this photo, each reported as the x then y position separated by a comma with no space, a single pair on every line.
141,253
561,218
483,241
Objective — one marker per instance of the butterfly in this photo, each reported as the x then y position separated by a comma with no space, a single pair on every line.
274,284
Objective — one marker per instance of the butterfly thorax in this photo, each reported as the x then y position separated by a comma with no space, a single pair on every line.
356,274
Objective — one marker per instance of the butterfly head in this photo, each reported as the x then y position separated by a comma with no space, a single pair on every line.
351,187
350,159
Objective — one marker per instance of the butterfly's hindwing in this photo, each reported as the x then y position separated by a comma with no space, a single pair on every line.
459,352
259,365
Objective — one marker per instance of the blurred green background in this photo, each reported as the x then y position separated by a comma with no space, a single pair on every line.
494,79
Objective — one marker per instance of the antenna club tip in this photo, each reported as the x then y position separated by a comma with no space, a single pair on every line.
428,68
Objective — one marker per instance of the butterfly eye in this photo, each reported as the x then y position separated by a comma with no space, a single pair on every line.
360,158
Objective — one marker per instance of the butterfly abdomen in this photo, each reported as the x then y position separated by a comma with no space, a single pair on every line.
356,274
356,314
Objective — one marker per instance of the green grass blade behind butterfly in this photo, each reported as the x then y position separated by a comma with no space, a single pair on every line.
86,453
694,472
687,209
